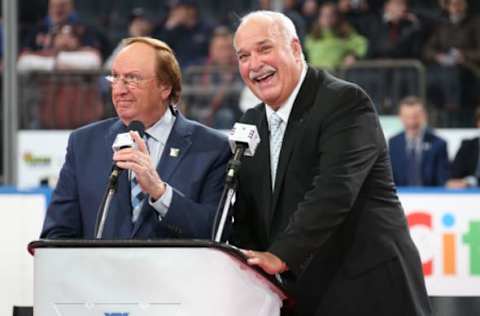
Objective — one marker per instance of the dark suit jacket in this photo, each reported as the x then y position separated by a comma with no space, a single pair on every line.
334,216
196,176
466,159
434,165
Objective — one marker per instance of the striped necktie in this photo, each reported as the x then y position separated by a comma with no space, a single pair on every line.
276,137
137,196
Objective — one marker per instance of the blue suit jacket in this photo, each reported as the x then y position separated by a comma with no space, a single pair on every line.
434,164
196,176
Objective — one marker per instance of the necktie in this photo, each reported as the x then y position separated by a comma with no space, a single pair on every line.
276,137
137,196
413,167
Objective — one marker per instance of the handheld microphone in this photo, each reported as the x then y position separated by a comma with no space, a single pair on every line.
122,141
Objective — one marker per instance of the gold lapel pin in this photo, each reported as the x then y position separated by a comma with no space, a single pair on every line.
174,152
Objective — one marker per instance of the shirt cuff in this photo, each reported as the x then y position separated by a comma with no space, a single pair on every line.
471,180
163,203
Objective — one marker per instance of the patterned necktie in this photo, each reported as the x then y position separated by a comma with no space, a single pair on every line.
413,167
137,196
276,137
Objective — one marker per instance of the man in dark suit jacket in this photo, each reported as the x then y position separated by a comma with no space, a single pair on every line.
419,157
328,217
466,165
180,168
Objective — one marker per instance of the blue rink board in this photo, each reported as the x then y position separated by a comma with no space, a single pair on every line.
40,190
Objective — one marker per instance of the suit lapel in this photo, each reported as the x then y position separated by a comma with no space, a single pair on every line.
177,146
303,102
119,223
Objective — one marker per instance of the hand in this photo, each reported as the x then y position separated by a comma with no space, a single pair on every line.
349,60
457,184
138,160
266,260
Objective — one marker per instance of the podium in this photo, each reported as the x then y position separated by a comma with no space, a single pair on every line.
134,277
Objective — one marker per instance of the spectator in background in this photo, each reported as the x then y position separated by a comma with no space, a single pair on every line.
216,85
419,157
60,12
65,52
290,9
356,12
333,42
186,33
453,55
139,25
67,99
466,165
395,34
309,11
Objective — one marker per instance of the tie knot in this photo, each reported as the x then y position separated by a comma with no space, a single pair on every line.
275,121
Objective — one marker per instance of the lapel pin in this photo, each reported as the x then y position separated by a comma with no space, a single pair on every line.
174,152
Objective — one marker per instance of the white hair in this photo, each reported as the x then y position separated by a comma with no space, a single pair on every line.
280,21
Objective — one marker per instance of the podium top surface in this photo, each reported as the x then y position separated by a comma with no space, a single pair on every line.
163,243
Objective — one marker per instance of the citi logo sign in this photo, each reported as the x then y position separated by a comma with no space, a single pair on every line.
445,240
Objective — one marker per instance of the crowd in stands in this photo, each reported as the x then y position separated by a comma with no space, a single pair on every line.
443,34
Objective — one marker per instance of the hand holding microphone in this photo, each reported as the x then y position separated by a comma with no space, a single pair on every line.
135,157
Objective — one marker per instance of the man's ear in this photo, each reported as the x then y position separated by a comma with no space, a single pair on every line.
165,91
296,48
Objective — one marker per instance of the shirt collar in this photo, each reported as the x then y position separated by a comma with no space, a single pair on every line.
161,129
285,109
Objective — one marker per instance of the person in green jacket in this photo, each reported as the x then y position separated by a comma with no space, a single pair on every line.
333,42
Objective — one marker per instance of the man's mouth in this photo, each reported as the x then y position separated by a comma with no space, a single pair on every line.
265,77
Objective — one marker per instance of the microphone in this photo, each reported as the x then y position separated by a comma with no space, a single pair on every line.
244,136
122,141
243,140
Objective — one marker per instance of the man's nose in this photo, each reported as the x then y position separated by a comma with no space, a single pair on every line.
255,62
119,87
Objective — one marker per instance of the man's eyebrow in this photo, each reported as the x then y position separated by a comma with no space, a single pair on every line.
259,43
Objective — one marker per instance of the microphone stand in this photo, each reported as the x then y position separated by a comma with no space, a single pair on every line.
228,193
106,200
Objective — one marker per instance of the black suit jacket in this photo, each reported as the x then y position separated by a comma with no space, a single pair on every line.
334,216
466,159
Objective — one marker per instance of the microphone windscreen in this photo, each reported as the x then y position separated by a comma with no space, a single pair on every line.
137,126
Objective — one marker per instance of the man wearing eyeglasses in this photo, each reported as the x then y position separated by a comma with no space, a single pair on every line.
175,175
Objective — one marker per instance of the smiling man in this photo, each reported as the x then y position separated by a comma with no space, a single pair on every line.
174,178
323,211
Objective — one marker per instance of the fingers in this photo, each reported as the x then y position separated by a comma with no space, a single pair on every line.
139,141
265,260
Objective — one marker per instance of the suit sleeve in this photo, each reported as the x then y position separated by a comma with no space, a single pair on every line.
443,165
459,167
187,218
63,218
348,145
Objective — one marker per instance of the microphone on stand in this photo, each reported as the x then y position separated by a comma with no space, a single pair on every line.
122,141
243,140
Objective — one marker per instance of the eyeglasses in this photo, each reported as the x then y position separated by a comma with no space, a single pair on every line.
130,80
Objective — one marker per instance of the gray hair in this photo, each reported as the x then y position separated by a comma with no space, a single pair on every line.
282,23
